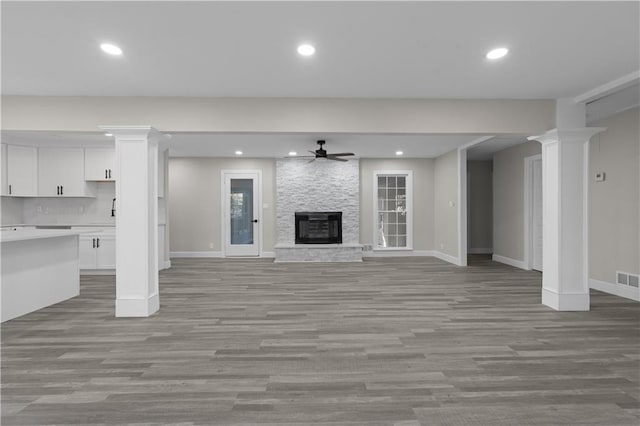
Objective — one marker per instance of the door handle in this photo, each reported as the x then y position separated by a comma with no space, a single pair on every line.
255,221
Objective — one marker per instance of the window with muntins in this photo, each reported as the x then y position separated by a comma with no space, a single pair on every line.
393,221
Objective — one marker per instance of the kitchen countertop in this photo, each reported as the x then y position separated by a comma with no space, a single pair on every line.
36,234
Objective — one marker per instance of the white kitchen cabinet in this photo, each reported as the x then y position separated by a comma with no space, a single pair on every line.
98,251
100,164
4,186
61,173
22,171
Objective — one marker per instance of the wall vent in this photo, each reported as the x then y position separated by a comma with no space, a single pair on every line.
625,278
622,278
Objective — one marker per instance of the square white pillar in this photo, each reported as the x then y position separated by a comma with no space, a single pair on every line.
565,265
137,292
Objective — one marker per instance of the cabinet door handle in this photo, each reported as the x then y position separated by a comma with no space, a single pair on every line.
61,190
94,243
97,242
105,174
58,190
109,173
9,189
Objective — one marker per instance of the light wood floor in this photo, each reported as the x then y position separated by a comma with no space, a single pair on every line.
406,342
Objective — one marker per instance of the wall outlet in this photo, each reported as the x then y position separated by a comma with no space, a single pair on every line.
600,176
452,203
39,209
367,247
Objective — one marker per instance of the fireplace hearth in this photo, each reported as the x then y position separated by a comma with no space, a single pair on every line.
318,227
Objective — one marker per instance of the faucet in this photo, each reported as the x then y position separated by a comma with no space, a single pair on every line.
113,208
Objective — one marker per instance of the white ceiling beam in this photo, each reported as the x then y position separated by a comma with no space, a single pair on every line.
609,88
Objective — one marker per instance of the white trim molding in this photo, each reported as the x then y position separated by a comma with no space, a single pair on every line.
447,258
398,253
196,254
408,175
528,209
565,301
511,262
609,88
632,293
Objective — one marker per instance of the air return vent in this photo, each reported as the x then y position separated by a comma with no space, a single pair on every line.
625,278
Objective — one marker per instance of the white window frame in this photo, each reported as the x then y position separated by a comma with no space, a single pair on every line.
408,175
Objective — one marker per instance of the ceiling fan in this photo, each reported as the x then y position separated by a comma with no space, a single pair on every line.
322,153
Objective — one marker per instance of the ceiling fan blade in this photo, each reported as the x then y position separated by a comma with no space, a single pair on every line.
300,156
336,158
341,154
311,161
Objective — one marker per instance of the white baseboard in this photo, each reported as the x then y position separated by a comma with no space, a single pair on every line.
270,254
142,307
397,253
511,262
565,301
621,290
97,271
446,257
196,254
480,251
165,265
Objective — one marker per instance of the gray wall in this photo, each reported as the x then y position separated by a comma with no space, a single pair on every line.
480,204
508,199
614,213
423,179
446,194
194,202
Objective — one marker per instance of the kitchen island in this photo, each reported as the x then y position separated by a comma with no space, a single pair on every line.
40,267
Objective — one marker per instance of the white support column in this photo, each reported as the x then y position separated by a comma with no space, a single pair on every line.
565,165
136,220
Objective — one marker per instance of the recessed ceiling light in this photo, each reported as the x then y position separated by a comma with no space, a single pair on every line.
292,153
111,49
306,50
238,152
108,134
497,53
399,152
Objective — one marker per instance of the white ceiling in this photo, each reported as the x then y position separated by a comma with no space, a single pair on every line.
263,145
364,49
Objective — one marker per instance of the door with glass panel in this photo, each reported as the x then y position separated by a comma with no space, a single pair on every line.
241,213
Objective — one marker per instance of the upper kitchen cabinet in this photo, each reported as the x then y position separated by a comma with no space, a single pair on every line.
99,164
61,173
21,165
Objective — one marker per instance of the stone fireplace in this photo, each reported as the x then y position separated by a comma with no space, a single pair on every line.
318,211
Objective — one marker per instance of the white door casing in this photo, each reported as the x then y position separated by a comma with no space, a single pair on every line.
533,212
241,221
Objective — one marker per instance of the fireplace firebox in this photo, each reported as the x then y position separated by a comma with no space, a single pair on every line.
318,227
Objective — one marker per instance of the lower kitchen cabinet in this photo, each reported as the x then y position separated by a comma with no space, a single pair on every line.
98,251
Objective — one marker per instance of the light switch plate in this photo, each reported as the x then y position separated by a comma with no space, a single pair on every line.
600,176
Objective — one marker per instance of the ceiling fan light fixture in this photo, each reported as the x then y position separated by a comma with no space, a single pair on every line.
399,153
292,153
238,152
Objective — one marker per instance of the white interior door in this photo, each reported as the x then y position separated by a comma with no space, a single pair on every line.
536,216
241,218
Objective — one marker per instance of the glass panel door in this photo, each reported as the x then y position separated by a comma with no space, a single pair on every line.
241,224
